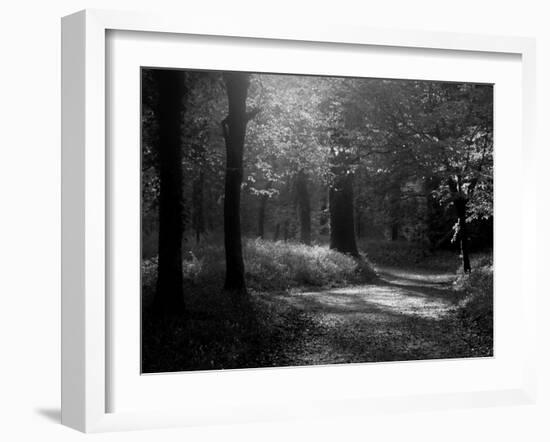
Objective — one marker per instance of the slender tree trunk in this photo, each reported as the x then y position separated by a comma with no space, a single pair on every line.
169,293
261,215
210,209
460,202
286,230
324,218
394,213
198,206
460,206
395,231
358,220
304,207
342,229
234,129
277,230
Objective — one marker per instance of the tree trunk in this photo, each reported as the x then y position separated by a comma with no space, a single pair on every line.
169,293
198,206
394,212
324,218
460,202
358,220
395,231
304,208
342,230
286,230
276,234
234,129
261,215
460,206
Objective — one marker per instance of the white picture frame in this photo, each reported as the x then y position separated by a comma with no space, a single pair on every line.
85,202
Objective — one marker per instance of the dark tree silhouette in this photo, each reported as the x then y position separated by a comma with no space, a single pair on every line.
460,201
262,207
304,207
341,205
324,212
234,129
277,232
198,206
342,229
171,89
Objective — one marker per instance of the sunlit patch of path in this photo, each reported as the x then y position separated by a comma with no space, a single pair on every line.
366,299
397,293
400,316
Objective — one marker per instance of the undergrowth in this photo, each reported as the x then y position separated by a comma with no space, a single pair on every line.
215,334
475,310
280,265
270,265
409,254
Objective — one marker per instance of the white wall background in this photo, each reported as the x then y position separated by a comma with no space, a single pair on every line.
30,216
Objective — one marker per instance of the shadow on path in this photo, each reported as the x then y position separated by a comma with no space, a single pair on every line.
397,292
403,315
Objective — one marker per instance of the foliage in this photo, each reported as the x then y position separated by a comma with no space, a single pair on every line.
477,306
408,254
280,265
402,140
270,265
429,133
405,151
475,310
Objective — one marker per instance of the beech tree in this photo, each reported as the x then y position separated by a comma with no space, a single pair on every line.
340,136
234,130
342,224
171,90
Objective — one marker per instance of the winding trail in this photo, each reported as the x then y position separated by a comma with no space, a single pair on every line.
403,315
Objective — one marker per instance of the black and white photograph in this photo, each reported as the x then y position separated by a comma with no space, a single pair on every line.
297,220
305,221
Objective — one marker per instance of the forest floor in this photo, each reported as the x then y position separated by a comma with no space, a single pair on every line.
311,306
405,314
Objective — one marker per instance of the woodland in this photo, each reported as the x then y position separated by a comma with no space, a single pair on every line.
292,220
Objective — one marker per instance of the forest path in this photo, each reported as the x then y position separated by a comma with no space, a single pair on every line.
401,316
